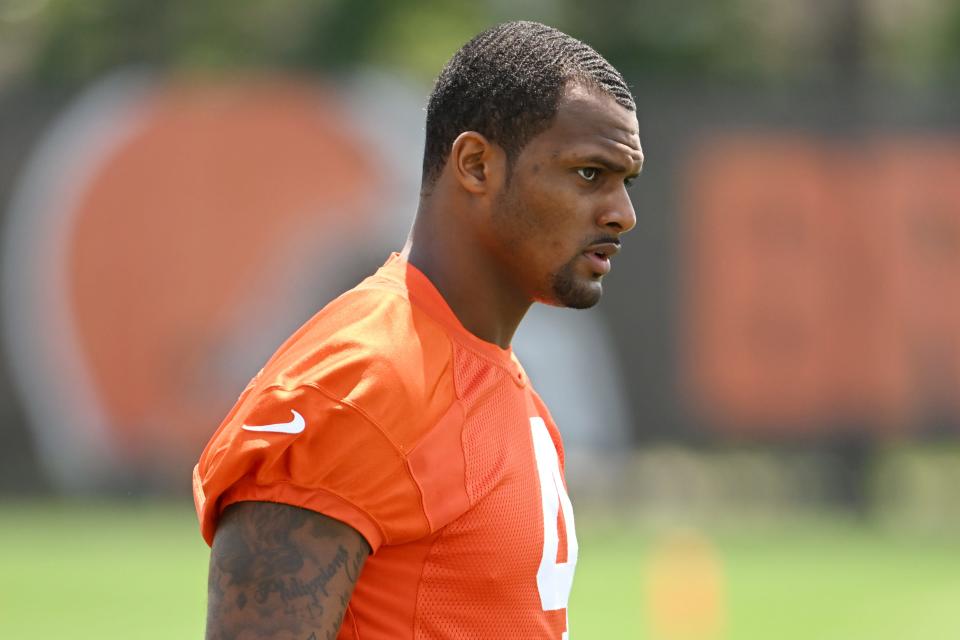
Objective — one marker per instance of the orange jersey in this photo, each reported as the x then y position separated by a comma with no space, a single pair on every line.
385,413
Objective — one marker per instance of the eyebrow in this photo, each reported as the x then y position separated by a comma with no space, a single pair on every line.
610,165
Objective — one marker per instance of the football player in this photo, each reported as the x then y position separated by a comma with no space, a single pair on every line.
391,473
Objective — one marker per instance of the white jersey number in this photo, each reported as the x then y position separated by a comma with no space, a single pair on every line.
554,579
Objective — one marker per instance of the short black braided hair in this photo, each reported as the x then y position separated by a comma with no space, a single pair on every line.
506,84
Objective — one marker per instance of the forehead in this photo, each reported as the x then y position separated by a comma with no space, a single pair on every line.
590,121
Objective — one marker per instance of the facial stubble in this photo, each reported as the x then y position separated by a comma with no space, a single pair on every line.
570,291
514,218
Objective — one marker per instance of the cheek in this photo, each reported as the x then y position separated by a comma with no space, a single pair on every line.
551,208
562,222
546,225
542,216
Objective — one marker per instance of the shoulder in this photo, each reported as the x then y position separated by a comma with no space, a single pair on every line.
375,352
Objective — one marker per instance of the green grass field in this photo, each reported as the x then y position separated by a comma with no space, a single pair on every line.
109,571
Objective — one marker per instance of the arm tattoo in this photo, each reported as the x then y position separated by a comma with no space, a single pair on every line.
279,572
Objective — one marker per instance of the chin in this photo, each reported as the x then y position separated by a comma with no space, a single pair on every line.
574,293
583,301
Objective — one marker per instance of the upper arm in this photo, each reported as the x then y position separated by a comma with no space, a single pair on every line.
280,572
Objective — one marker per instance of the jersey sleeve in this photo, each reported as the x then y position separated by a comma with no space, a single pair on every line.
301,447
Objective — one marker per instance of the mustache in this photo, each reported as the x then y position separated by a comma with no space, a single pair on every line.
603,240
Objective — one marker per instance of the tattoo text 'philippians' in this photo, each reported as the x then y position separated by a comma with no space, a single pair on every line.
292,587
277,568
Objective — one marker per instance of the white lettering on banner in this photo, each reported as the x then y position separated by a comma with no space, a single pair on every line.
554,579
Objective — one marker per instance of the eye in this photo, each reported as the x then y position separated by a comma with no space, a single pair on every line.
588,173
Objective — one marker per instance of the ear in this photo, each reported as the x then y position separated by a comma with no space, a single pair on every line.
478,164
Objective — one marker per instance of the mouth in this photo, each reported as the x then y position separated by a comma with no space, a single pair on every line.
599,256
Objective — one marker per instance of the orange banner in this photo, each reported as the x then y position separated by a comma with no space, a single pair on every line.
822,281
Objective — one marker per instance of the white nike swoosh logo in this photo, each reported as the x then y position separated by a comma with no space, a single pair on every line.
294,426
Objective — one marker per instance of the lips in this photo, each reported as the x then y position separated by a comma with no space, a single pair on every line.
599,255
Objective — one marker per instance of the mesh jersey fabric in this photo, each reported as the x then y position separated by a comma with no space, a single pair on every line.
418,435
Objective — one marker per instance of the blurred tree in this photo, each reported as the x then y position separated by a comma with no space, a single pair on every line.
914,41
409,34
680,39
951,56
80,40
69,42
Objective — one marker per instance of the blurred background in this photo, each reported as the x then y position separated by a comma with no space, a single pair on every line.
762,416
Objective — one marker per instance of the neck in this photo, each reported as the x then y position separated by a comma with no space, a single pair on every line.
481,295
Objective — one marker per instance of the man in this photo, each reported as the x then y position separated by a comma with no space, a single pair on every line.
390,473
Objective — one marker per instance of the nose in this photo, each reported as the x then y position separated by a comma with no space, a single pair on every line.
618,216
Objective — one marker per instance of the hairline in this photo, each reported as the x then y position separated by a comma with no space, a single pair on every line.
575,79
